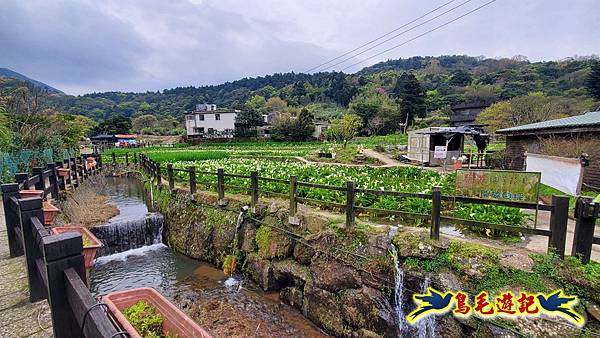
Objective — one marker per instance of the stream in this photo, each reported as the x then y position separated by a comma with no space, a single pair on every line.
225,306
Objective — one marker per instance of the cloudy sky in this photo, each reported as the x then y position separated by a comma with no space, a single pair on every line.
84,46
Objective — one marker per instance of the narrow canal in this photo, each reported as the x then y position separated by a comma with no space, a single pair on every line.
225,306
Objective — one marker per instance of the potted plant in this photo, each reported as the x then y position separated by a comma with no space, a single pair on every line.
50,212
144,307
63,172
31,193
91,244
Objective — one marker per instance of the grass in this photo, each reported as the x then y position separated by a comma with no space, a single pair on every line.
187,155
372,141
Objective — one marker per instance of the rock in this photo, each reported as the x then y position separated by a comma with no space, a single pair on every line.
516,260
364,333
247,238
323,309
222,240
379,274
272,243
261,272
290,272
292,296
447,326
539,327
594,310
447,281
334,276
303,253
418,244
369,308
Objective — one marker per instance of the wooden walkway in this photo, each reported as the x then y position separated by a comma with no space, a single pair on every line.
18,317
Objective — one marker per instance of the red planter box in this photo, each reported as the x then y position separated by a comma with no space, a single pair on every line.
31,193
89,251
50,212
175,321
63,172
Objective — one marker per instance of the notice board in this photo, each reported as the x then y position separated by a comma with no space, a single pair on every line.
502,185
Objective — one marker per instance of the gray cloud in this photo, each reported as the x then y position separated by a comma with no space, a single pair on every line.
138,45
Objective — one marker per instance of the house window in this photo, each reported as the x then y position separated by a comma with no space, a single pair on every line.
190,117
200,130
200,117
217,117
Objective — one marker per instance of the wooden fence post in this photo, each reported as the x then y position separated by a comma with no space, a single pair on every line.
22,178
39,171
292,219
114,158
99,161
62,252
253,190
126,158
170,176
11,218
192,171
436,208
586,213
221,187
54,181
32,207
558,225
350,186
74,172
61,180
158,178
135,158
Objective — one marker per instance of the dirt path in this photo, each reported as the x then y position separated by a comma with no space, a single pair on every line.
540,243
18,317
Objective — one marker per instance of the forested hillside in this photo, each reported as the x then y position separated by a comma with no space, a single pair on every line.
374,93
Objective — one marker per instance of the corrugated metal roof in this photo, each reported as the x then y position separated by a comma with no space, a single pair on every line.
587,119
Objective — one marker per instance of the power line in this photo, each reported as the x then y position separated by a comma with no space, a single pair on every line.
423,34
381,36
399,34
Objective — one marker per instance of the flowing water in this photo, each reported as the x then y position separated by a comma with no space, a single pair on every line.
398,283
225,306
426,326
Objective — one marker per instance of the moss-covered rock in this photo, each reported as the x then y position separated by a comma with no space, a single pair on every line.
261,272
303,253
322,307
333,275
290,272
417,244
272,243
248,237
368,308
292,296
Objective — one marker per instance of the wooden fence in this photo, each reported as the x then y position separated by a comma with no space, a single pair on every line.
55,263
556,233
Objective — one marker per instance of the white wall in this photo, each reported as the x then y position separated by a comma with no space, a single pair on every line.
226,123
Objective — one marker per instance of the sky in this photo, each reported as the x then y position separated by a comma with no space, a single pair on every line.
147,45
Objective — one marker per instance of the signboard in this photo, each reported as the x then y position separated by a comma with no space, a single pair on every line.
440,152
503,185
564,174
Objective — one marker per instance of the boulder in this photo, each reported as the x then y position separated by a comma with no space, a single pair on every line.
333,275
248,237
323,309
379,274
516,260
303,253
368,308
418,244
261,272
292,296
594,310
272,243
364,333
290,272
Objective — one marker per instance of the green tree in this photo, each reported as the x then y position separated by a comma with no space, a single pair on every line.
288,128
592,82
143,122
275,104
411,96
116,124
379,112
344,129
251,117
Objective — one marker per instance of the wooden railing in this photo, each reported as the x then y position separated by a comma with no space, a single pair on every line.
55,263
556,233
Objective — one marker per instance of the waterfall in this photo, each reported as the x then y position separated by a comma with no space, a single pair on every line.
426,326
130,234
398,283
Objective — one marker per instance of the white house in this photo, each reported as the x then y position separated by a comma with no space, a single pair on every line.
209,122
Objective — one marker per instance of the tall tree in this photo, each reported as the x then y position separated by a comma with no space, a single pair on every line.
592,82
411,96
251,117
345,128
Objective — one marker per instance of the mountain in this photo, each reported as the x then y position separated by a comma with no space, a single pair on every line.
5,72
445,79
